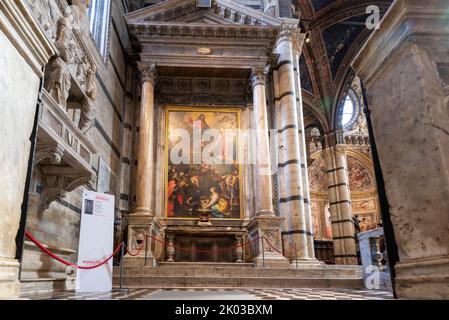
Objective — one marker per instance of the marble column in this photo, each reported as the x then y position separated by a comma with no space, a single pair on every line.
404,67
343,234
294,199
303,143
145,158
143,221
265,223
264,190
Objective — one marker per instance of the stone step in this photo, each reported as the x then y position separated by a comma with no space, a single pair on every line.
207,275
206,264
236,282
226,272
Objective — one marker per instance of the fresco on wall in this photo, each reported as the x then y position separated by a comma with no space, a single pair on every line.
317,175
367,221
359,177
199,189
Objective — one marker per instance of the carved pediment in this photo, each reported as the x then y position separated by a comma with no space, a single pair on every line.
225,12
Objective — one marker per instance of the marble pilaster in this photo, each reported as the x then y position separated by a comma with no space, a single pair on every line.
405,70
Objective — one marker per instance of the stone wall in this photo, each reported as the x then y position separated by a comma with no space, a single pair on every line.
24,52
58,226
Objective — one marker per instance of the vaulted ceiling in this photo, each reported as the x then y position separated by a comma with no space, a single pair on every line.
336,31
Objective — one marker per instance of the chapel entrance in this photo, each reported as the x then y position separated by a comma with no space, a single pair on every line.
204,249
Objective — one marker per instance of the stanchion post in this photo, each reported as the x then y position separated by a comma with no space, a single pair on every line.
296,257
263,253
122,264
146,254
122,253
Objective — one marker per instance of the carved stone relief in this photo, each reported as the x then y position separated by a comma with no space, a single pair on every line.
70,80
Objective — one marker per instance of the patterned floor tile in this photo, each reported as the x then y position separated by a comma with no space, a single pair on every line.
251,293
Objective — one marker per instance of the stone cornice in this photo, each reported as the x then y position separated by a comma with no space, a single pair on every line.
404,19
177,29
20,28
227,10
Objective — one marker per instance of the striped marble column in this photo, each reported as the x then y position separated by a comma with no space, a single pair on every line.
297,49
297,229
340,205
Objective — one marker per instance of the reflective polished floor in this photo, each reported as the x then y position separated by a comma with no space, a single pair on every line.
220,294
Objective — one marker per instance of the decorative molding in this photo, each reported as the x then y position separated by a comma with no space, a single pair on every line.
56,186
222,11
21,29
52,153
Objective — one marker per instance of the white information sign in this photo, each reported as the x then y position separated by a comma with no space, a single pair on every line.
96,242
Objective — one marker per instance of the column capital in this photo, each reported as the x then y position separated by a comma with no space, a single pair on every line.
289,28
340,149
291,32
334,138
336,150
148,71
259,75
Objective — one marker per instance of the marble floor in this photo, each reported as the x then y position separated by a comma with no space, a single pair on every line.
220,294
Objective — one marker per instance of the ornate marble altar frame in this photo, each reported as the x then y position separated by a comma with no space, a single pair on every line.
239,155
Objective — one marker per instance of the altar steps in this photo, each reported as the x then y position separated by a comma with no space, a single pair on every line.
210,275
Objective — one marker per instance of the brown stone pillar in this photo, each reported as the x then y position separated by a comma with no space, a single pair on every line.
145,160
405,70
266,223
343,234
142,221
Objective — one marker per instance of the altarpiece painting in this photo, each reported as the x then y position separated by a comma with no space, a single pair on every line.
203,175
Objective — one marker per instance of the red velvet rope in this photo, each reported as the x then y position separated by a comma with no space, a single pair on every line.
54,256
269,243
134,254
203,251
